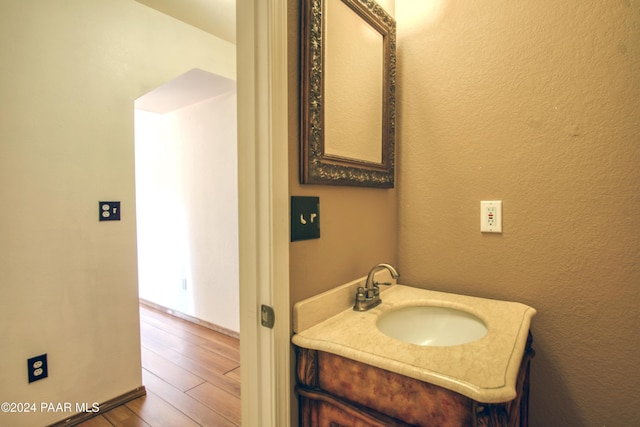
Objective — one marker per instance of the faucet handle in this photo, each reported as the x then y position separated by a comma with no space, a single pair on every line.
376,290
370,293
382,283
360,299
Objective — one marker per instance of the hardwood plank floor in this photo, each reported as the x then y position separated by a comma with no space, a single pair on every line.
191,374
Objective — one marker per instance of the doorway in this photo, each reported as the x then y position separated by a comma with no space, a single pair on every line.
262,75
187,199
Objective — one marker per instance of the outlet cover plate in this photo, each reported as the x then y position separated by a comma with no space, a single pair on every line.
109,211
491,216
37,368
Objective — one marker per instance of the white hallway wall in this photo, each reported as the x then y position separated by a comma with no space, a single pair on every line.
187,202
70,73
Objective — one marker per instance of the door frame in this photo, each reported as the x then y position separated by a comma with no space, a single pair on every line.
263,210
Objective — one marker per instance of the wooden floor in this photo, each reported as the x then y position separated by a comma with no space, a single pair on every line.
191,374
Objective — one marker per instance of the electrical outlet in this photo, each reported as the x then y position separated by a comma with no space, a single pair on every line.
37,368
491,216
109,211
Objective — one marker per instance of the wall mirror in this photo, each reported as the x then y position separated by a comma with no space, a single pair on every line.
347,93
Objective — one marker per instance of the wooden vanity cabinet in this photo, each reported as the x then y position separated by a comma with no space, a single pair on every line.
335,391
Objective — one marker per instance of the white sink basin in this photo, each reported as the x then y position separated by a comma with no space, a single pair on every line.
431,326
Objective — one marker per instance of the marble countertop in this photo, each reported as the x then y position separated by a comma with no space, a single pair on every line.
485,370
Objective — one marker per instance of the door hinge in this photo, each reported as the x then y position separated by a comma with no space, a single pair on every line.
268,316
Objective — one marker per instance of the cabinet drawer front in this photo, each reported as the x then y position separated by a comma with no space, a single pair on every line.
412,401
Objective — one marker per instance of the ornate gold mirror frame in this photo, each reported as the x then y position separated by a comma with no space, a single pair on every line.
347,93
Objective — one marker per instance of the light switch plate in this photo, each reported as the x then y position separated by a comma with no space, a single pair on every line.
305,218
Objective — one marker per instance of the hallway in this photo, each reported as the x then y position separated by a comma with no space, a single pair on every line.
191,374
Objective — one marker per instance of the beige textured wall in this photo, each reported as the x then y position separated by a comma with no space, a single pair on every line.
358,225
536,104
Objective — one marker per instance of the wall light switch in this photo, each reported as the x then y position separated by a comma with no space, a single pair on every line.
305,218
491,216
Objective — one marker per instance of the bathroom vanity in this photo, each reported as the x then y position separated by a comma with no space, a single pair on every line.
350,373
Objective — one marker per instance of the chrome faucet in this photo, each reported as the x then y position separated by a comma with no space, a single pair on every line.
368,296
